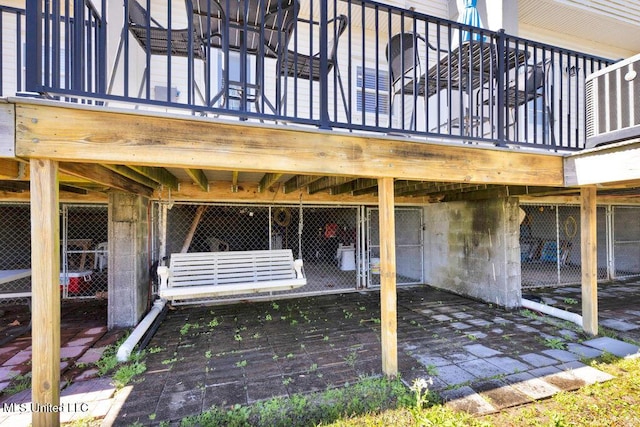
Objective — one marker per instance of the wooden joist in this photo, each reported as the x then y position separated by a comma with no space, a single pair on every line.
198,177
102,175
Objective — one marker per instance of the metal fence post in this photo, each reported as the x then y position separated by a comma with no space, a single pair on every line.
33,41
102,51
324,65
500,86
77,55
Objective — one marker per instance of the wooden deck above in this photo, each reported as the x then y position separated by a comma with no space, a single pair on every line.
201,158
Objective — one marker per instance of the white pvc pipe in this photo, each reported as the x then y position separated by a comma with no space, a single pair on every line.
127,347
553,311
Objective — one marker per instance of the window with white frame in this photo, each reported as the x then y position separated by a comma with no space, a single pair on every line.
372,90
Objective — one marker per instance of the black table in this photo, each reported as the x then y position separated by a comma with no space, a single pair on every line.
467,68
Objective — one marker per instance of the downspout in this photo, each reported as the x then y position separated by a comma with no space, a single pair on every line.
127,347
553,311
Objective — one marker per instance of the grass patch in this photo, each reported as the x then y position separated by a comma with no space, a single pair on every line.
122,373
370,395
611,403
184,330
84,422
555,343
18,383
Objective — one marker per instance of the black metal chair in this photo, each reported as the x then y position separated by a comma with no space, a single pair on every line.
407,78
307,67
526,82
260,28
154,39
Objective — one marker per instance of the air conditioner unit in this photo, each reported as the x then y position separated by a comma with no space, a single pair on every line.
613,103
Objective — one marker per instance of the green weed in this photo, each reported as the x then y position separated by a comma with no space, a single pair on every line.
184,330
555,343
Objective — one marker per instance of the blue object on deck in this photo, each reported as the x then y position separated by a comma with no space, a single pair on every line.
471,16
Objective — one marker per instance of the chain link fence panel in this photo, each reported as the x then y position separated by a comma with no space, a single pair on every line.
15,241
83,255
330,242
626,241
326,238
409,246
550,251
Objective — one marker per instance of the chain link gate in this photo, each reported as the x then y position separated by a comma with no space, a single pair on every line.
83,255
326,238
409,246
550,244
626,241
15,241
84,251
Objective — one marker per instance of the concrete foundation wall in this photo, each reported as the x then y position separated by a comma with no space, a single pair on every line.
472,248
128,259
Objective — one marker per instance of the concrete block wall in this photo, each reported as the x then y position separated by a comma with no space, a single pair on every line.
128,259
472,248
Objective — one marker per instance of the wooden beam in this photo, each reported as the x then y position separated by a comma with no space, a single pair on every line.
159,175
192,230
300,181
10,169
575,200
388,297
589,259
99,135
425,188
73,189
198,176
132,175
247,192
404,188
45,300
65,197
481,192
268,180
7,129
14,186
604,165
102,175
62,177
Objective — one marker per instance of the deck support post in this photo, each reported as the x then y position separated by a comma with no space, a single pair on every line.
45,282
589,255
388,296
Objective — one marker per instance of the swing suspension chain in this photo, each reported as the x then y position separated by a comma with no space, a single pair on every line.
300,227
